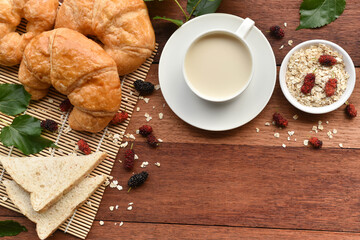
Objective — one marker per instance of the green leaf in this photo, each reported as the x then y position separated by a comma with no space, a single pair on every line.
178,23
318,13
13,99
204,7
24,133
11,228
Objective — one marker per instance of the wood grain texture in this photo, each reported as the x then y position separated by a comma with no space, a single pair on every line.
240,184
131,230
173,129
344,31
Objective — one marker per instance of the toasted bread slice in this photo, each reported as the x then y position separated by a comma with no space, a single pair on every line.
50,220
47,179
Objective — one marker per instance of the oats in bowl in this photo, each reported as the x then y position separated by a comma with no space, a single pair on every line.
305,61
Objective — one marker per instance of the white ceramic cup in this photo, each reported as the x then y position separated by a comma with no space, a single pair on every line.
240,34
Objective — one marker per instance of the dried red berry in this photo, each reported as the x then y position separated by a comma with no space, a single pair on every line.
152,141
315,142
129,159
277,32
120,117
65,105
145,130
49,125
327,60
350,110
309,82
330,87
279,120
84,147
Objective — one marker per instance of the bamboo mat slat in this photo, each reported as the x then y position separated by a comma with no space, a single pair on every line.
48,108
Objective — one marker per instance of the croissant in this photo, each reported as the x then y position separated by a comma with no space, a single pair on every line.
40,15
123,27
77,67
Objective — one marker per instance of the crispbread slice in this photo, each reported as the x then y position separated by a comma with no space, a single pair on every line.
48,221
47,179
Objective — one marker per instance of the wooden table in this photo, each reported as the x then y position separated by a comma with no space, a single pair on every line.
240,183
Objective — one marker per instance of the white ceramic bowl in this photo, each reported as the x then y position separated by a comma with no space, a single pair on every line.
349,67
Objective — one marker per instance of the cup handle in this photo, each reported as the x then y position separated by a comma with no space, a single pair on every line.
245,28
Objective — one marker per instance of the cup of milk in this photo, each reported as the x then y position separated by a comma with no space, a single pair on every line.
219,65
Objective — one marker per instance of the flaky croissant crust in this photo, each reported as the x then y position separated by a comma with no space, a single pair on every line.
40,15
77,67
123,27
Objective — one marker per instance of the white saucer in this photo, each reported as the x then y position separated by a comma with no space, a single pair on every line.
209,115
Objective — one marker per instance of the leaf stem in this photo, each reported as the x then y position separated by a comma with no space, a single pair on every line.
192,11
181,9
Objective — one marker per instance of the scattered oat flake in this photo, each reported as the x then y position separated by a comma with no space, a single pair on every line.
119,187
327,122
267,124
136,157
115,182
123,145
160,140
161,115
138,109
341,145
157,164
146,100
157,87
257,130
321,127
4,198
314,128
130,203
334,131
276,135
291,133
113,185
319,122
88,203
283,145
101,223
115,224
288,138
282,46
144,164
306,142
329,133
117,207
121,223
295,117
285,24
111,208
129,208
290,42
295,139
137,131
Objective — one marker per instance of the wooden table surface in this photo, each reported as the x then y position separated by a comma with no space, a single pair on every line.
240,183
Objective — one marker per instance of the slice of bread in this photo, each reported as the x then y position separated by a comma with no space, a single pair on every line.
50,220
47,179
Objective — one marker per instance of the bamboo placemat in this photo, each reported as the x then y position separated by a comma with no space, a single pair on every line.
107,140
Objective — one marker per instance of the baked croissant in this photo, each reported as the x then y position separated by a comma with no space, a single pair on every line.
123,27
77,67
40,15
